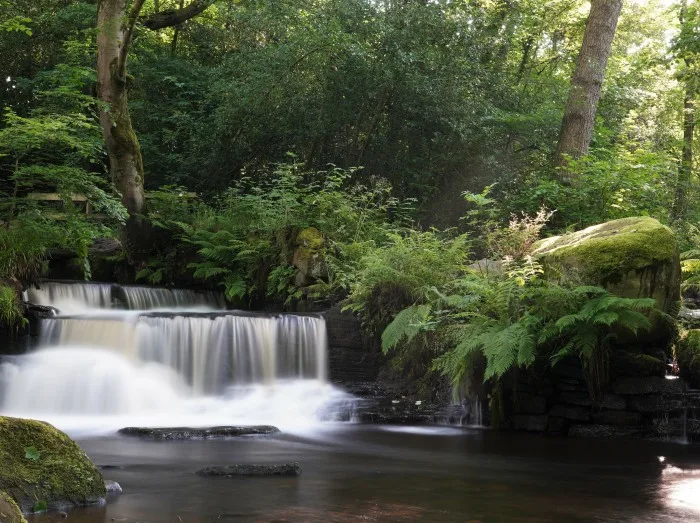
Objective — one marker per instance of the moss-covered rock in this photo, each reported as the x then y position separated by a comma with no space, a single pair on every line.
9,511
688,355
308,256
42,468
630,257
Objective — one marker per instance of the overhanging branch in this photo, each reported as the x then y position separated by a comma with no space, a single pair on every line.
174,17
128,35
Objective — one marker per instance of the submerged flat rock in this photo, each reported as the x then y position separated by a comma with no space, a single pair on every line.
188,433
284,469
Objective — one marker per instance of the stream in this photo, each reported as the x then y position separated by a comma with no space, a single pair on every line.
395,473
116,356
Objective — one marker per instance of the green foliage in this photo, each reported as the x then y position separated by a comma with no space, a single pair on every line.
393,276
19,24
405,326
47,153
589,332
244,241
614,182
516,318
11,313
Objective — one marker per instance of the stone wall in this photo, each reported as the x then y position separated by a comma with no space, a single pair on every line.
352,357
652,407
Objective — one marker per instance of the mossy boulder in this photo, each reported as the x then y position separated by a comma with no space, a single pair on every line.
630,257
9,511
308,256
688,355
42,468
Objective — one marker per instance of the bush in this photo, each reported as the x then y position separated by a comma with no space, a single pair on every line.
11,313
244,240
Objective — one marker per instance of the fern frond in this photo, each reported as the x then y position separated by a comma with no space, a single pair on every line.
406,324
692,253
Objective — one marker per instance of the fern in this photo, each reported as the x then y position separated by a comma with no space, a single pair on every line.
405,326
590,331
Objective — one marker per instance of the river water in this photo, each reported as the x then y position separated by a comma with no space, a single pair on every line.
395,474
125,356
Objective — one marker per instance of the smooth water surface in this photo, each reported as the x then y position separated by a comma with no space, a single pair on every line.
369,473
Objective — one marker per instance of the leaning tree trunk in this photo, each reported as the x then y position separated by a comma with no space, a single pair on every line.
115,27
587,81
125,163
123,150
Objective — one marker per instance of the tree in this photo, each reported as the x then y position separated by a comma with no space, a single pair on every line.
116,24
587,81
687,49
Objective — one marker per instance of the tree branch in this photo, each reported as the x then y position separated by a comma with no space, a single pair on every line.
175,16
128,35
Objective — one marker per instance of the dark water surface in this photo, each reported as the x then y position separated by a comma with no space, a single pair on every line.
369,473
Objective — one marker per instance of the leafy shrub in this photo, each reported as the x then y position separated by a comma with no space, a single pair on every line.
10,307
516,318
49,152
244,240
403,272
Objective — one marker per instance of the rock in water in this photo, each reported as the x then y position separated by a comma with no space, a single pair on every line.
42,468
285,469
113,487
187,433
9,511
630,257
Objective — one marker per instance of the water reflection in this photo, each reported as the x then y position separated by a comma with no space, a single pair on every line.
364,473
681,488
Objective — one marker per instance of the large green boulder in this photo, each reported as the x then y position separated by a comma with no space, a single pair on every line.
9,511
308,256
630,257
42,468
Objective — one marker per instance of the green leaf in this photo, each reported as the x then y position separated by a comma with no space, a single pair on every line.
32,453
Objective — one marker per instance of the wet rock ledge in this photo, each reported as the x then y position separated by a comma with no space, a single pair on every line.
285,469
188,433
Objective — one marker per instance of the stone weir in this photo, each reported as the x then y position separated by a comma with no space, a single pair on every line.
208,349
70,296
177,357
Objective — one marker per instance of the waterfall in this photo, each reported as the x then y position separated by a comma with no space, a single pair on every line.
113,356
146,298
70,296
80,297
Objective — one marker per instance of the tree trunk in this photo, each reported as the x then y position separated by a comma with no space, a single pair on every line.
115,28
679,210
685,169
579,115
176,33
125,163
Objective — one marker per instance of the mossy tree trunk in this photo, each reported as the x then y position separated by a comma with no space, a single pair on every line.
116,22
587,82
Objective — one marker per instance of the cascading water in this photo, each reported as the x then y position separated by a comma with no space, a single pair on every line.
109,368
78,297
69,296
